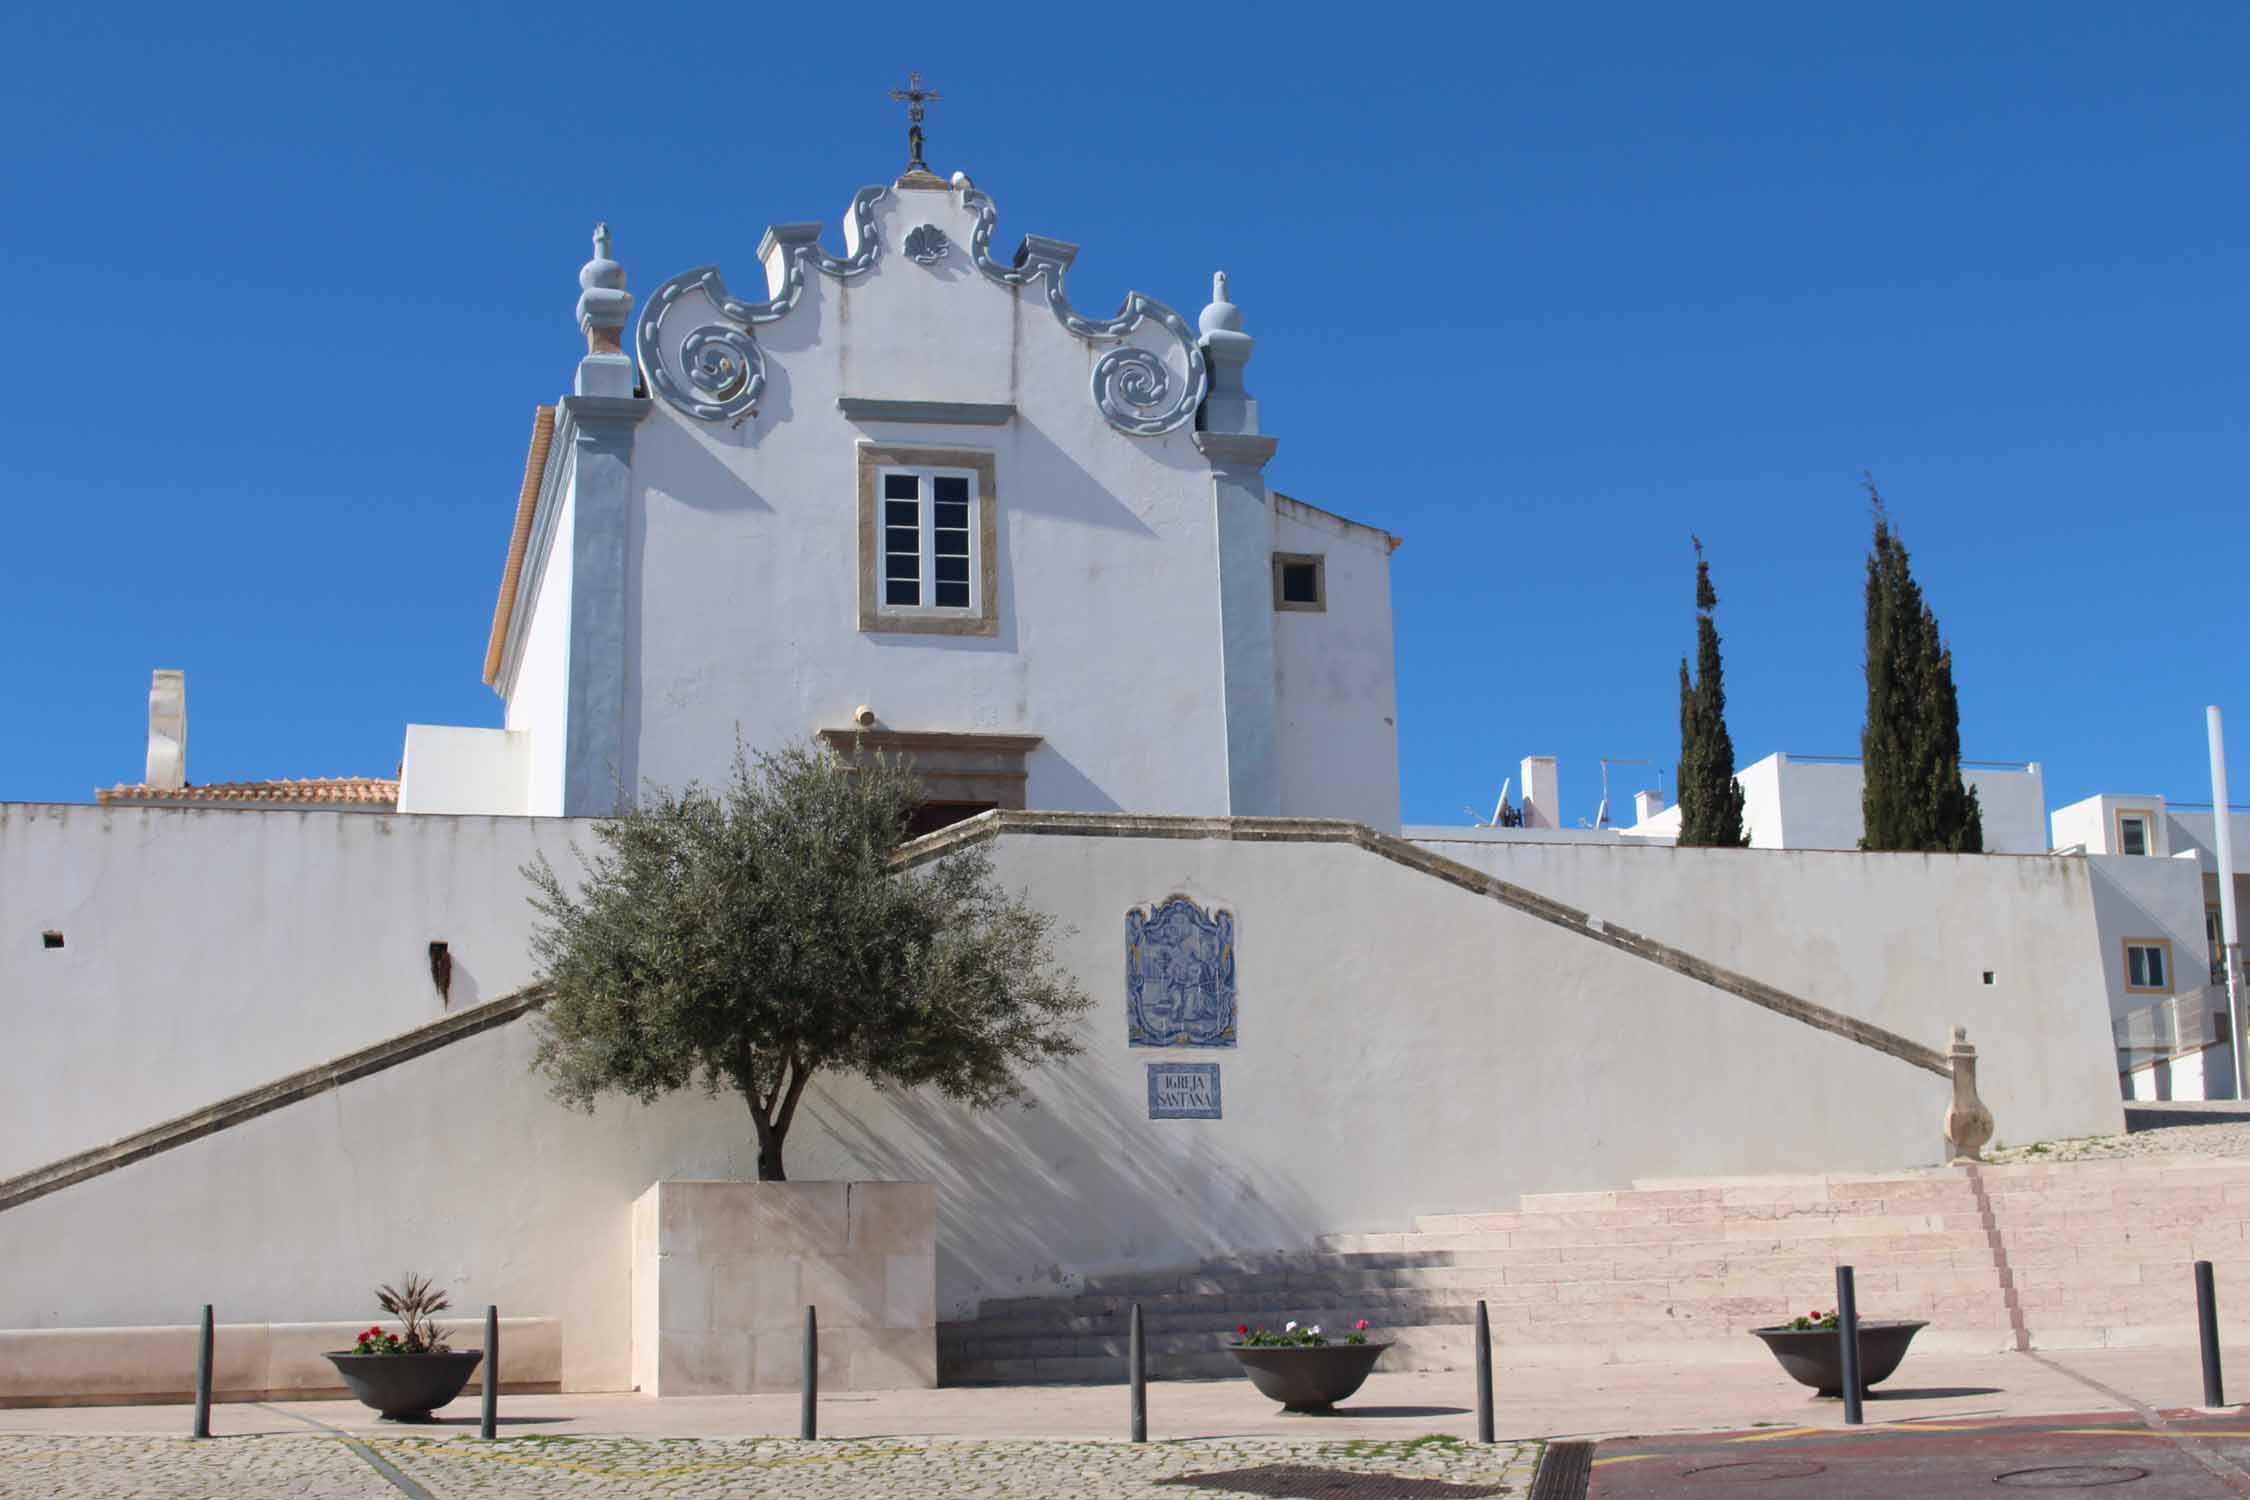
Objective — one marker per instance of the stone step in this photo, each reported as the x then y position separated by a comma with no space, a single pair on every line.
1902,1232
1576,1303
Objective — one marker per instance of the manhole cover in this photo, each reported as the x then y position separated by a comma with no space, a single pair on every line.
1303,1482
1754,1471
2070,1476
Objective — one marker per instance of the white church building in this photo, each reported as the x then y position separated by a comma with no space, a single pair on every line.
906,495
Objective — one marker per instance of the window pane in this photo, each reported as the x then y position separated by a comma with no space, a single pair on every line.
901,487
906,592
952,595
951,544
901,513
2156,968
952,570
950,488
1300,583
2135,838
901,539
902,565
953,513
2136,967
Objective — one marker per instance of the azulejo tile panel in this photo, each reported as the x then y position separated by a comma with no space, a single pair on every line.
1179,975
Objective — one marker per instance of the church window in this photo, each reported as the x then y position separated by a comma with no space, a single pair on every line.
2148,965
1300,581
927,536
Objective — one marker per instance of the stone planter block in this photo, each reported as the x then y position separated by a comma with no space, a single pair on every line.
723,1271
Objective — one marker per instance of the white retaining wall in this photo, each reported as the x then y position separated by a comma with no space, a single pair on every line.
1407,1046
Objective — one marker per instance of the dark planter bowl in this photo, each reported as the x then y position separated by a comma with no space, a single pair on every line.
406,1387
1815,1356
1311,1378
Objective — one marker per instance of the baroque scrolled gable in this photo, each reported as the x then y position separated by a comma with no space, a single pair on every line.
714,370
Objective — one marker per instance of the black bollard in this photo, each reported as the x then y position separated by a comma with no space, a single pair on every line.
203,1377
1484,1374
2207,1326
489,1426
808,1418
1847,1333
1136,1374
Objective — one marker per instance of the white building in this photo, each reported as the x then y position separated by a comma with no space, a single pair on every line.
915,499
2156,887
1792,801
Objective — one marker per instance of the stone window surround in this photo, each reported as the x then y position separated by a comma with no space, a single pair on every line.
954,767
873,617
1319,561
2147,818
2161,945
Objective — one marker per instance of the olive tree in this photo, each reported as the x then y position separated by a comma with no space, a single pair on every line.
752,935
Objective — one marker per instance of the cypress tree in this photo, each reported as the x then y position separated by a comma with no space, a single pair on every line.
1912,796
1710,798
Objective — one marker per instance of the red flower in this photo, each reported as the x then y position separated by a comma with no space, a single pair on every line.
1242,1328
1361,1325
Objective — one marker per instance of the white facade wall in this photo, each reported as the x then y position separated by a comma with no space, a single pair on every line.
2090,825
538,692
1407,1046
1336,688
742,567
1800,802
208,951
448,769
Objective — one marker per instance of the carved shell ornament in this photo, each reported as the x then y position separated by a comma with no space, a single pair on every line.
926,244
715,372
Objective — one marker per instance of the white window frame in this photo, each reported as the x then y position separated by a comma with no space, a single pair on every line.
925,484
2162,948
977,469
2147,819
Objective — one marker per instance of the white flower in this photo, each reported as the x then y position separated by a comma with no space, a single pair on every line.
1316,1328
1289,1328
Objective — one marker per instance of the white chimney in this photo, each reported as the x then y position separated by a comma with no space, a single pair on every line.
1542,799
167,730
1647,805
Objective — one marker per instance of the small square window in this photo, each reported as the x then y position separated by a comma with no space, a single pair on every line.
2148,965
1300,581
50,940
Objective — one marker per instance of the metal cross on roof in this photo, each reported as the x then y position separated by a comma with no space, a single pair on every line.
914,96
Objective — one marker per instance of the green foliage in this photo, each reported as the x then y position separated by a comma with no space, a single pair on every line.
1295,1336
1815,1322
751,936
1910,749
1710,797
416,1304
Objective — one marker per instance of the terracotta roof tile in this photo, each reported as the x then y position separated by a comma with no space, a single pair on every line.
527,502
330,791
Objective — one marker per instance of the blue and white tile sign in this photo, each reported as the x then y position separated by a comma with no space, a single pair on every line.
1179,976
1183,1091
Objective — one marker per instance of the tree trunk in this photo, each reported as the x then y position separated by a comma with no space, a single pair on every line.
769,1141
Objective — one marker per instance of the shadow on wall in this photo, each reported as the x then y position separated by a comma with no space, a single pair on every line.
1076,1179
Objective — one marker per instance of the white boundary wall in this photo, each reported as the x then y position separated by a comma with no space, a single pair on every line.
1407,1046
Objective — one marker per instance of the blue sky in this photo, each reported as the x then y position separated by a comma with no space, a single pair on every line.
1543,289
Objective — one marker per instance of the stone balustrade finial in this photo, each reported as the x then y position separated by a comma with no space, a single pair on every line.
603,307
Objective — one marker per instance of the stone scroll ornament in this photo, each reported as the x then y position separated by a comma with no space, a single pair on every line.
1179,976
719,373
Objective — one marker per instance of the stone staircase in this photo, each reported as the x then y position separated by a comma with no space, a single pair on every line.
1995,1258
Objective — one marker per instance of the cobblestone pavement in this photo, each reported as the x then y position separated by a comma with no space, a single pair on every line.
2229,1139
315,1467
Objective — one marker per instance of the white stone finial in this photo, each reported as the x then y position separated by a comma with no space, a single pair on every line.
603,306
167,730
1222,315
